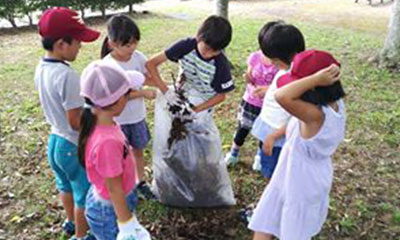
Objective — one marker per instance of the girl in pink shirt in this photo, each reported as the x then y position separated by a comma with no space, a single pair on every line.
259,75
106,155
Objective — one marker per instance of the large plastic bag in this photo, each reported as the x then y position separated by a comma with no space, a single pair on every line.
191,172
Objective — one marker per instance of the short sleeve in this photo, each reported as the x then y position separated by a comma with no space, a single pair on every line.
141,59
70,91
108,156
136,79
223,81
181,48
253,59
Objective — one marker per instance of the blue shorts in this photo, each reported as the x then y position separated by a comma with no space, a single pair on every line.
137,134
268,163
70,175
101,217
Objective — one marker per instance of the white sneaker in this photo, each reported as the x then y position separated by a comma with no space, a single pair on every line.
230,159
257,163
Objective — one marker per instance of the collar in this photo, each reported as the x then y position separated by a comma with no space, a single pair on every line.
52,60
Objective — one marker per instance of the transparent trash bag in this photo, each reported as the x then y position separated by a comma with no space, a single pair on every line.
191,171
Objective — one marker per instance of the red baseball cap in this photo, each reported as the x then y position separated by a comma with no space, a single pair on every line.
305,64
61,22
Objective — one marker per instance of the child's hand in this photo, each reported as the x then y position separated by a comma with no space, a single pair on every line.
328,76
150,94
268,144
260,92
248,79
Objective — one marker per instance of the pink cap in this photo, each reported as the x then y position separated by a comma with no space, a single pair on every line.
104,84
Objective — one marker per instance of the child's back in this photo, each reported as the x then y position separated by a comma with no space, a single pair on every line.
58,87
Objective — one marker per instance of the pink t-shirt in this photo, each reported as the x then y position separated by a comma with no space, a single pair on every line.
108,155
261,74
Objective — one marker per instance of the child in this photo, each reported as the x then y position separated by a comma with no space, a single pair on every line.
259,75
295,203
207,80
106,155
280,43
120,48
58,87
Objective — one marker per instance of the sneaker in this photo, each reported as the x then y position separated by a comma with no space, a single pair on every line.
257,162
145,191
231,159
68,227
245,216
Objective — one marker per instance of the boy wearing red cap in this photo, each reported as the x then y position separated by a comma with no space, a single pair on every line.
295,203
58,85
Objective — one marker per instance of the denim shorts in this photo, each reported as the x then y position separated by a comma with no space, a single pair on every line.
137,134
70,175
268,163
101,216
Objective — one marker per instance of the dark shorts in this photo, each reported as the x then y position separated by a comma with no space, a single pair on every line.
247,114
137,134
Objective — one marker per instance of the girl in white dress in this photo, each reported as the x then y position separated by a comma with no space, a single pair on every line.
295,204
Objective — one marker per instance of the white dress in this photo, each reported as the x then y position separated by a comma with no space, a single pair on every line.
295,203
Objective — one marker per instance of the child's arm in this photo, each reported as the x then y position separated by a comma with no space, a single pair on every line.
117,196
260,91
271,138
73,117
148,94
217,99
289,96
152,69
247,76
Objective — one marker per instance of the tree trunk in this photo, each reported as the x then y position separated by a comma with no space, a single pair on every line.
390,54
83,13
30,19
221,8
12,21
130,8
103,12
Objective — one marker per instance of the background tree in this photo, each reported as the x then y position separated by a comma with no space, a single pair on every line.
221,8
390,54
124,3
28,7
9,10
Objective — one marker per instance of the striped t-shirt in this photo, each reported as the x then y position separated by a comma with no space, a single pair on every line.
207,76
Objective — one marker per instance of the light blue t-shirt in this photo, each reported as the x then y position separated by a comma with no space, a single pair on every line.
59,91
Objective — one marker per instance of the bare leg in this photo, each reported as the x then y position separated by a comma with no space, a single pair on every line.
262,236
139,162
68,202
80,223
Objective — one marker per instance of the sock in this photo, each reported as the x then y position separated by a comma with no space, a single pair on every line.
235,150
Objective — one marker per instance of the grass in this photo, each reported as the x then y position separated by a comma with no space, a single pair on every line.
365,198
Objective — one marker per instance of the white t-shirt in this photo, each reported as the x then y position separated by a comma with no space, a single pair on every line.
59,88
135,109
272,113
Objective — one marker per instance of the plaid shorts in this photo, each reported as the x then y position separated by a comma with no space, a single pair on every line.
247,114
137,134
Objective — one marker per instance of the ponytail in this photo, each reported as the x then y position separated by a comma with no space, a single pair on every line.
87,124
105,49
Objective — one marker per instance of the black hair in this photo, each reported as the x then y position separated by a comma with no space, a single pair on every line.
121,29
324,95
87,124
48,42
282,41
216,32
265,29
